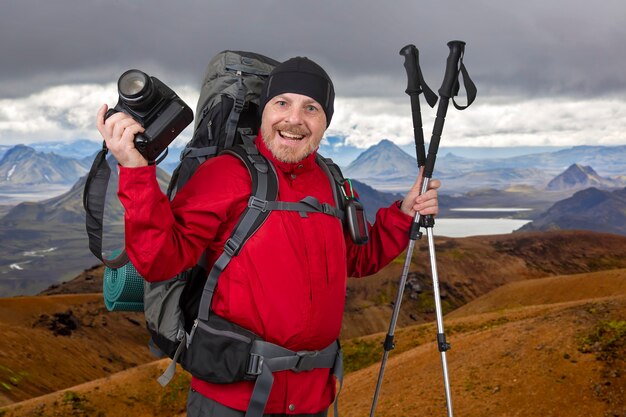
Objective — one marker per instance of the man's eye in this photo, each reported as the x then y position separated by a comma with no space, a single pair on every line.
311,108
281,103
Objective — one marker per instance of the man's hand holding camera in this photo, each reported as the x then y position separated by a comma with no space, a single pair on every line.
145,120
118,132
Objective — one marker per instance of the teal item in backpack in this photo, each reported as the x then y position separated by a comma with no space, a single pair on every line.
123,289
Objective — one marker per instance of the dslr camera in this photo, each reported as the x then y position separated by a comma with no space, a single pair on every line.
156,107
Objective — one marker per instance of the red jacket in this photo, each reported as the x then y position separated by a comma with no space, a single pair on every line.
288,284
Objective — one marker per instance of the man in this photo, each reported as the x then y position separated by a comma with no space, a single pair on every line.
288,283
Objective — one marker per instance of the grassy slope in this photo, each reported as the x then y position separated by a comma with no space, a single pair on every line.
528,350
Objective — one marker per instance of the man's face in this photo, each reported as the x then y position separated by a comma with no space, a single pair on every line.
292,126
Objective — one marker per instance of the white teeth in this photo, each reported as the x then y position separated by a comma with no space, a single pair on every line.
290,135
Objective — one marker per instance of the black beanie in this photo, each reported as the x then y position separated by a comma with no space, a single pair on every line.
300,75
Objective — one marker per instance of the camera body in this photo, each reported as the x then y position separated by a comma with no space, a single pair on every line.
156,107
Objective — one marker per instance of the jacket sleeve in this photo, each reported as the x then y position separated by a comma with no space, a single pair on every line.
164,238
389,236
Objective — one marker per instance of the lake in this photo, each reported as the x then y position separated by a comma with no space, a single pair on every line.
463,227
476,227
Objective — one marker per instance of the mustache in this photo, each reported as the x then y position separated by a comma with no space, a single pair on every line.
294,129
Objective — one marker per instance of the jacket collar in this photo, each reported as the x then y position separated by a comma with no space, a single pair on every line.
306,164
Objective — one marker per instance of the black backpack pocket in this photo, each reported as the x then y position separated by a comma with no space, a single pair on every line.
219,351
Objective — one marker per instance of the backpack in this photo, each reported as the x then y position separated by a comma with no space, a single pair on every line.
226,109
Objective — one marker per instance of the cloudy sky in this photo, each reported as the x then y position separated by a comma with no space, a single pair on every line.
549,72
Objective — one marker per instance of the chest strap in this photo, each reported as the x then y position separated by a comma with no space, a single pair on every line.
308,204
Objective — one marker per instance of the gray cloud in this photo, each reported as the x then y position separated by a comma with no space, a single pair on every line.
530,49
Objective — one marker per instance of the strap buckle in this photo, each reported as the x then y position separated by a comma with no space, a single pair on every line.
306,360
231,247
328,209
255,365
239,103
257,203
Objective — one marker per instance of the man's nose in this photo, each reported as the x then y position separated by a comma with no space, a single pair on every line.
294,116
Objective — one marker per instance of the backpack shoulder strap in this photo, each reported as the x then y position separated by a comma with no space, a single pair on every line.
333,172
353,213
265,188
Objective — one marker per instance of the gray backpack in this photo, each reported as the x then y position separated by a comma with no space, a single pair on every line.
227,109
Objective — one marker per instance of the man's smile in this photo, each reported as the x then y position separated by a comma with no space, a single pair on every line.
290,136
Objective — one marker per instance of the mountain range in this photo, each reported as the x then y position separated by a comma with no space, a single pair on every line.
528,336
23,166
386,166
608,160
45,241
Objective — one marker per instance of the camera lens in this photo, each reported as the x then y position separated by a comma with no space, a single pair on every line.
135,89
132,82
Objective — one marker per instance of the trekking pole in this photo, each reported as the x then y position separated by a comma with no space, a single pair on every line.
449,89
415,86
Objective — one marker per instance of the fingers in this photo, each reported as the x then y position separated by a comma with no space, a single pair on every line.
100,117
434,184
118,132
427,203
121,127
128,135
116,128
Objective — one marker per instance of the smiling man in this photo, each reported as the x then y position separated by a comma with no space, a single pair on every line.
288,283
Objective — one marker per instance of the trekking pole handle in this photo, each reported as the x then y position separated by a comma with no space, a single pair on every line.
411,57
452,69
413,89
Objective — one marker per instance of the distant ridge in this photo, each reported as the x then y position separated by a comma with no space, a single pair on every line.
608,160
68,207
589,209
384,159
578,177
24,166
384,166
